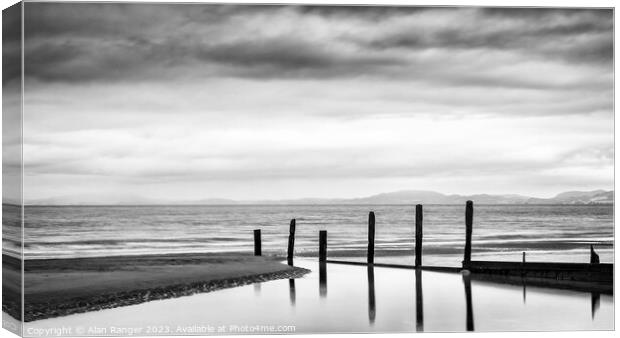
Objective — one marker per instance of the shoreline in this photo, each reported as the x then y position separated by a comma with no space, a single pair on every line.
60,287
483,248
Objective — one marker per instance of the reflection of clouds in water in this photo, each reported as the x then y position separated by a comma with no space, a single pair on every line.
347,306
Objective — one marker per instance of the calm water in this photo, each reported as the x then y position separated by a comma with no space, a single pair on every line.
350,299
560,233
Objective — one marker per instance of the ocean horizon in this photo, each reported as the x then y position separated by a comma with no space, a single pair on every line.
545,232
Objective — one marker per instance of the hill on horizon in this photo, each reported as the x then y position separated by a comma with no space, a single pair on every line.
396,197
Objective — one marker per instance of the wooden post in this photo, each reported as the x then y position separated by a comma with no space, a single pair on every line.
257,243
322,245
418,235
291,242
594,258
469,220
371,238
523,266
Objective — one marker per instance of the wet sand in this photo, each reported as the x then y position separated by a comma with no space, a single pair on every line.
58,287
11,286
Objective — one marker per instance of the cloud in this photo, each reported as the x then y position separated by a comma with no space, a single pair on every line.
221,101
127,42
11,44
575,35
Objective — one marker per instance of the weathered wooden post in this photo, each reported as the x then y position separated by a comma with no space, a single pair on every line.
291,242
523,257
418,235
469,220
594,259
257,243
371,238
322,245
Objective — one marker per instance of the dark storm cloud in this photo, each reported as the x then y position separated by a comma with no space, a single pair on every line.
368,12
548,33
116,45
137,59
127,42
530,40
535,12
286,58
11,44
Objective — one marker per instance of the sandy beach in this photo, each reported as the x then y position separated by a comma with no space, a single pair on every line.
58,287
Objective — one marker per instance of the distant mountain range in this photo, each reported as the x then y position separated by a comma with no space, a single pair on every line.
577,197
398,197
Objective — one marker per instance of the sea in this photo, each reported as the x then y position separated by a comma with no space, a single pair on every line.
561,233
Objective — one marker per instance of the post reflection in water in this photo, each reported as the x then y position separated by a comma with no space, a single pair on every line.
419,303
291,285
292,293
524,291
470,309
257,287
323,279
372,310
596,303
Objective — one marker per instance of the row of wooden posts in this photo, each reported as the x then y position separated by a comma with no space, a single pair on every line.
419,218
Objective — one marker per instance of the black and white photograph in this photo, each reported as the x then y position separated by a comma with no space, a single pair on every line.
207,168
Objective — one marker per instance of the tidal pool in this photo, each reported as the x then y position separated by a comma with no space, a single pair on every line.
350,299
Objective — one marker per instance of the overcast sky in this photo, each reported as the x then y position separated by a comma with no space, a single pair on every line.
186,102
